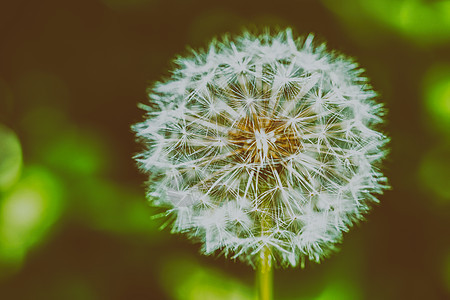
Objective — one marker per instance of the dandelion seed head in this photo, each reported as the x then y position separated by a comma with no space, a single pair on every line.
264,141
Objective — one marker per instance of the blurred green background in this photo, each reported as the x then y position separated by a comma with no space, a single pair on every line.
74,223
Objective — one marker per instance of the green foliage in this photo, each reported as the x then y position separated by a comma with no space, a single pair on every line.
10,158
184,279
434,173
423,22
437,97
27,212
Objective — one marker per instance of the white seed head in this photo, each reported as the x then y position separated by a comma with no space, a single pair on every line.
264,141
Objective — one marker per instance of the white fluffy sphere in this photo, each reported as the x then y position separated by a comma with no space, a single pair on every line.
264,141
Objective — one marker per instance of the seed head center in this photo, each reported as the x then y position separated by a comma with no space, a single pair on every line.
261,140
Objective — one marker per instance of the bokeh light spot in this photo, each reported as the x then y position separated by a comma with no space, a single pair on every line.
339,289
184,279
423,22
434,173
27,212
10,158
437,97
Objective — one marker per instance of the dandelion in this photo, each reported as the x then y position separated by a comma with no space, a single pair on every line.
264,147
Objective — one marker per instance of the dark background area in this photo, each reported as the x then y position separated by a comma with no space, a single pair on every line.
74,222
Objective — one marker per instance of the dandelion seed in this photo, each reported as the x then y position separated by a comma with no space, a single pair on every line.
264,142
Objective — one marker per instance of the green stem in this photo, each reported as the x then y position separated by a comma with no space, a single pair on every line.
264,275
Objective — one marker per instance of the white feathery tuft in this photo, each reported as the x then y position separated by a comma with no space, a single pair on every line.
264,141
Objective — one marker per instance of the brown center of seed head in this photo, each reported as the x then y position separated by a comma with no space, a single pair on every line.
263,139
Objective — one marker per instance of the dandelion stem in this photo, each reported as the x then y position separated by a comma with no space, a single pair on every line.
264,275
